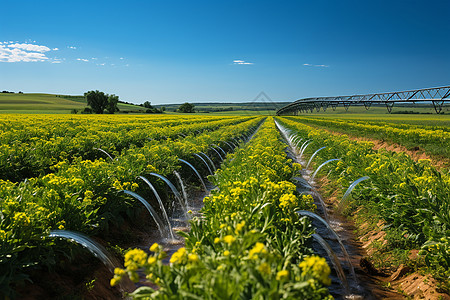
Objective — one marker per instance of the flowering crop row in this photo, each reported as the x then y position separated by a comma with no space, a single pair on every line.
412,198
29,147
433,141
249,242
82,195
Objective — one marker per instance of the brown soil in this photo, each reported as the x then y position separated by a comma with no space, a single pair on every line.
86,277
415,153
71,282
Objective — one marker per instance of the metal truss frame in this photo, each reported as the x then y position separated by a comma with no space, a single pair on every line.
437,96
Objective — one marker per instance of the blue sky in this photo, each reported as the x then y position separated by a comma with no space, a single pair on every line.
227,51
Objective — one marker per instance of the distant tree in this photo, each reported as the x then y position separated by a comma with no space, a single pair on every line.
187,108
163,108
148,104
97,101
111,106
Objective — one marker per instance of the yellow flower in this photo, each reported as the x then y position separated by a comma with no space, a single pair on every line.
282,275
288,201
114,281
226,253
258,248
21,218
318,268
216,240
229,239
119,271
179,256
297,166
135,258
193,258
61,227
239,227
117,185
154,247
88,194
151,260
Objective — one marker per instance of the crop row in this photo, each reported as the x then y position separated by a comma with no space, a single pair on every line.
411,198
249,243
413,123
29,147
82,195
436,142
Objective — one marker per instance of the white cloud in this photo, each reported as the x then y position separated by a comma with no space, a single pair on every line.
30,47
55,49
82,59
23,52
320,66
71,47
101,64
241,62
15,54
121,58
56,62
94,58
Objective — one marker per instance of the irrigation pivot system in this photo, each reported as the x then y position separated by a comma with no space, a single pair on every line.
438,96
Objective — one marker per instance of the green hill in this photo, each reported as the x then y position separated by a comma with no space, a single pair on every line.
51,103
48,103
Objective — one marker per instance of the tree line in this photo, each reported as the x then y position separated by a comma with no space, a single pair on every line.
99,102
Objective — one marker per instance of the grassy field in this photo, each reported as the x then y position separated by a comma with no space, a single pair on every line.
48,103
252,108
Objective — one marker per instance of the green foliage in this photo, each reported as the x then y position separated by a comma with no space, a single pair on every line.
434,140
187,108
111,106
97,100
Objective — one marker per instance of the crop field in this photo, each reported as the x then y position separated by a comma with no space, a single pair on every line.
71,180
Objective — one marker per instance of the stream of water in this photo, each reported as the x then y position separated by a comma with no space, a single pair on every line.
358,284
